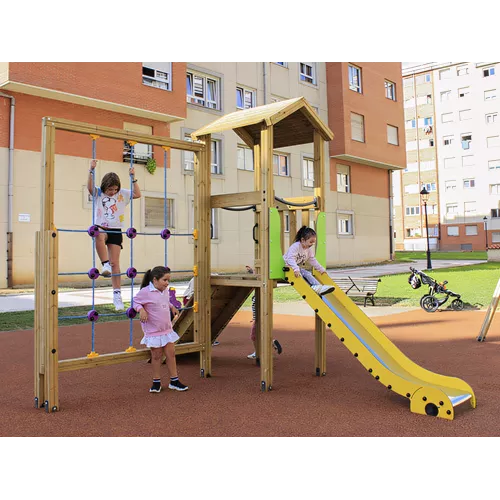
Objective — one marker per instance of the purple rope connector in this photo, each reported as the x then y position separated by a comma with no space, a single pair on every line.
93,273
131,272
93,315
93,231
165,234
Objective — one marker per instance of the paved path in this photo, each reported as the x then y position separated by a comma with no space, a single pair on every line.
26,301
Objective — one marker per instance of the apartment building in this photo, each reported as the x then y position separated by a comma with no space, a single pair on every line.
119,95
175,99
453,109
365,110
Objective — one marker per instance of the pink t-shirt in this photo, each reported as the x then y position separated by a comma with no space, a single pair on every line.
157,305
297,256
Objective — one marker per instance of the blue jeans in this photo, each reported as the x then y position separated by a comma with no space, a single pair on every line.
307,275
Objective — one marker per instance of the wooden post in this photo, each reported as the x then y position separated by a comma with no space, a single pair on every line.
39,343
319,184
266,291
257,252
202,288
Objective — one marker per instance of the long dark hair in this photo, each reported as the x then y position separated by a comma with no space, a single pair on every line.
157,272
304,232
110,179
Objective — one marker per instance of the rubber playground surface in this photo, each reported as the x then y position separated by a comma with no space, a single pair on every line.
114,400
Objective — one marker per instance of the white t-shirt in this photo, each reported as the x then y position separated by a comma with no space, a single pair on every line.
110,211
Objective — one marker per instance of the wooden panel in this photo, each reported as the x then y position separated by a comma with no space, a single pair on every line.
244,280
235,199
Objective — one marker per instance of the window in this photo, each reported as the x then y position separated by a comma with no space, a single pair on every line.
412,210
431,143
452,231
462,70
188,155
493,142
308,72
433,231
214,224
355,78
245,158
410,124
357,127
308,172
470,230
154,212
493,164
466,140
411,167
491,118
430,186
450,185
469,183
245,98
495,237
451,208
449,162
203,90
444,74
464,92
431,209
494,188
488,71
446,117
142,152
495,213
286,222
490,94
468,161
445,95
343,179
407,82
470,207
465,114
344,224
216,167
423,79
280,164
447,140
390,90
392,135
428,121
284,64
157,75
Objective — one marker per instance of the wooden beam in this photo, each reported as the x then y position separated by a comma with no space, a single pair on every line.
39,340
266,291
245,137
247,281
116,358
235,199
202,247
116,133
281,115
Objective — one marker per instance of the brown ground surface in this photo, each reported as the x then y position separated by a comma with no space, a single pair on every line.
114,400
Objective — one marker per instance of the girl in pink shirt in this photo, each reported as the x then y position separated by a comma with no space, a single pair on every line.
152,302
300,253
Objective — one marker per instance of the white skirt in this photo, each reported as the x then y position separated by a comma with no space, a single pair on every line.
159,340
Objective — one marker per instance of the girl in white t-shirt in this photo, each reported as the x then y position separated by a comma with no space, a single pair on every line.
110,202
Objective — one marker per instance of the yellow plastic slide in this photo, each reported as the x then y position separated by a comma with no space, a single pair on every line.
428,392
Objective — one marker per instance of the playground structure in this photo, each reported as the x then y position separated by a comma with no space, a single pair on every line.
217,298
489,314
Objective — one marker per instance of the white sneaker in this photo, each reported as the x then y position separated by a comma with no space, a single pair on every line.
117,301
106,270
252,356
323,289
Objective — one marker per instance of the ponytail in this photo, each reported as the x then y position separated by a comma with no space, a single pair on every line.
304,232
157,272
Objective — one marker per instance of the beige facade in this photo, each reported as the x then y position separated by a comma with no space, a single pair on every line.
232,245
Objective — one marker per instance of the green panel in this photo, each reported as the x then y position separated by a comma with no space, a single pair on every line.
321,239
276,261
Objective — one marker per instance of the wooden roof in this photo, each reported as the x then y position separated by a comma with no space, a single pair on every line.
294,123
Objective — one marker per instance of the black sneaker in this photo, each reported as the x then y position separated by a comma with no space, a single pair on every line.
177,385
156,387
277,346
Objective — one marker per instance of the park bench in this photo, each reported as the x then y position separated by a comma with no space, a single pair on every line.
358,287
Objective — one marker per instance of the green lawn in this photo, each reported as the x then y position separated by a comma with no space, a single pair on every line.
409,256
475,284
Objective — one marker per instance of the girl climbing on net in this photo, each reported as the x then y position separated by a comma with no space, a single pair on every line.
300,253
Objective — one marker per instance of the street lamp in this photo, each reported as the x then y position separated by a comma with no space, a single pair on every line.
424,195
485,221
